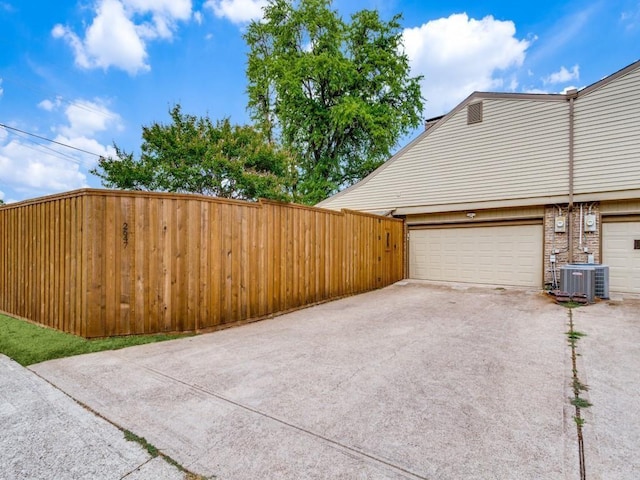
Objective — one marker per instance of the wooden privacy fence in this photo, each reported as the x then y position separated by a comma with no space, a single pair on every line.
99,263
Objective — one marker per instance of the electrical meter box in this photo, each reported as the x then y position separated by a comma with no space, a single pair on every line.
590,223
561,225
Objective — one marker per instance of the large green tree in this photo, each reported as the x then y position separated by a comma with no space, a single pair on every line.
196,155
339,94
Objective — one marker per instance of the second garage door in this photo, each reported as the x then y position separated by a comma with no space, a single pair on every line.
498,255
620,253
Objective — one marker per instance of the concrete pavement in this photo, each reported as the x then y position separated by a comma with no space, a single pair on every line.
413,381
44,434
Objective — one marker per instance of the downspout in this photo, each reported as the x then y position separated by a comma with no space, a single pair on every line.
571,95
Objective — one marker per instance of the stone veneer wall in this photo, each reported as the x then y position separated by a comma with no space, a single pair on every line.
558,243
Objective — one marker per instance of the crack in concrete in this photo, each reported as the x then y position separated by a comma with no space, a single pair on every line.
367,367
345,449
577,401
160,454
137,468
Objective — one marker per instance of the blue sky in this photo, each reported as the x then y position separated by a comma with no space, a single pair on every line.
90,73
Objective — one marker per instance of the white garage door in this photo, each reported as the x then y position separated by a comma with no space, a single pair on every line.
498,255
618,252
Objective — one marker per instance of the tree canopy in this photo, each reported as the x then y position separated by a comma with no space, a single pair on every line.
338,94
196,155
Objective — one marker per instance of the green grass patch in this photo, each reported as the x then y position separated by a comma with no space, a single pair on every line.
28,343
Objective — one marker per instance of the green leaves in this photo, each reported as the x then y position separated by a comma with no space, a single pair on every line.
196,155
337,94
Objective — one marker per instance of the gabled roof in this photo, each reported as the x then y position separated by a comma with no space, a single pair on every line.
436,122
608,79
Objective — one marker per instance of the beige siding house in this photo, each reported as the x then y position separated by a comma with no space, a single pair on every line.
506,188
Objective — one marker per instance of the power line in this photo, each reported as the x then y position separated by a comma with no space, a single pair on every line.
69,159
56,153
49,140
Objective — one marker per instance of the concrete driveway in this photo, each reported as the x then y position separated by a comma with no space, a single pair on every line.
413,381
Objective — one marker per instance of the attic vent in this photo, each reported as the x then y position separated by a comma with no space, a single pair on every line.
474,113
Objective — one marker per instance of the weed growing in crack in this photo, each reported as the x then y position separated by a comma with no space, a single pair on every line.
573,337
580,402
577,401
154,452
132,437
571,304
579,386
575,334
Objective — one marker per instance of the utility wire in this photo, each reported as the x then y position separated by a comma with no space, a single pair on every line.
35,149
56,153
49,140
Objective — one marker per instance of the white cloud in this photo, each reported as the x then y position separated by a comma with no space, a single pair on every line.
631,18
237,11
86,118
26,168
168,9
50,105
566,89
164,15
535,90
459,55
118,33
33,167
563,75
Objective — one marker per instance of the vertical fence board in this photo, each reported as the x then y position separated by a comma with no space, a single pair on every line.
141,234
243,261
197,256
217,275
203,266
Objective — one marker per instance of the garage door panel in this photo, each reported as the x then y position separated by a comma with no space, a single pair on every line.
619,254
502,255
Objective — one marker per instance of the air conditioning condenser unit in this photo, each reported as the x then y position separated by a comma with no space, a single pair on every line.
578,280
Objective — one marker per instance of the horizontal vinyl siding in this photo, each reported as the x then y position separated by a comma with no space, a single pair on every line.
520,150
607,137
